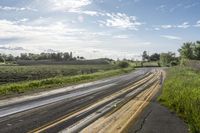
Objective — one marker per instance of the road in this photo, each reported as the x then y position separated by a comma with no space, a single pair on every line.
91,107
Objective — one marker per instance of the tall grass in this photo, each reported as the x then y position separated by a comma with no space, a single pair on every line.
181,93
22,87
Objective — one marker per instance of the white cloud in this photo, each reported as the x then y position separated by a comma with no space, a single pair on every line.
170,37
45,36
162,8
145,43
197,24
86,12
42,35
167,26
191,5
12,48
121,21
121,36
184,25
68,5
7,8
157,28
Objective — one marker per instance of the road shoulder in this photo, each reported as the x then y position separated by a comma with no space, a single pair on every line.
158,119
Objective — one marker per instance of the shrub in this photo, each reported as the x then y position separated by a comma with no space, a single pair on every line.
123,64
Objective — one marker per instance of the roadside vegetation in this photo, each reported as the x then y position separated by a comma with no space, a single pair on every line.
30,72
181,93
11,74
181,90
37,85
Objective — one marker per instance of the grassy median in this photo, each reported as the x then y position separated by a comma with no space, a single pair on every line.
49,83
181,93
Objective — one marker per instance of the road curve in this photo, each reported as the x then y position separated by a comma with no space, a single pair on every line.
75,108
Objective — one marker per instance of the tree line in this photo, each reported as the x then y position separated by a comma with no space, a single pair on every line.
163,59
189,50
60,56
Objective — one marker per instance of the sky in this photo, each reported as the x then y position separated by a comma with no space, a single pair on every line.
98,28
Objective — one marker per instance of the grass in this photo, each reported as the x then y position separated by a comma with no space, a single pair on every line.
11,74
181,93
27,86
145,64
151,64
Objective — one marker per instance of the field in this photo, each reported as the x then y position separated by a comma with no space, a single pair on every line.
10,74
150,64
38,85
145,64
181,93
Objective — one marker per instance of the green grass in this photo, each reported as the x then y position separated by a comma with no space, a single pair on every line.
37,85
11,74
145,64
150,64
181,93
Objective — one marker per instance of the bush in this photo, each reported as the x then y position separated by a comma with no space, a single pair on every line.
123,64
173,63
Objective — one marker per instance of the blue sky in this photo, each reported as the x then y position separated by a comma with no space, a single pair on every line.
98,28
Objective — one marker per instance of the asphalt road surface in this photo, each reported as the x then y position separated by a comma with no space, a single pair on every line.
75,108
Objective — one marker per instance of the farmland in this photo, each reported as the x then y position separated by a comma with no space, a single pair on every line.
12,89
11,74
181,93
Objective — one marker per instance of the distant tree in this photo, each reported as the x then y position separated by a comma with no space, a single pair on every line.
10,58
167,58
2,58
154,57
82,58
197,50
71,55
123,64
59,56
145,56
187,50
24,56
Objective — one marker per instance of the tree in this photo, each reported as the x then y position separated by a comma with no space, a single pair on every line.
66,56
145,56
167,58
197,50
82,58
10,58
24,56
123,64
154,57
2,58
187,50
71,55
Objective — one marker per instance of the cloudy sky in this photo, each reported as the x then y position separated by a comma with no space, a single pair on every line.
98,28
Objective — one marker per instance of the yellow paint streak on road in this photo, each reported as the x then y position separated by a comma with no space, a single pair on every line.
77,112
120,120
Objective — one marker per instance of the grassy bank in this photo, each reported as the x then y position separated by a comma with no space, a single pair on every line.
181,93
26,86
11,74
